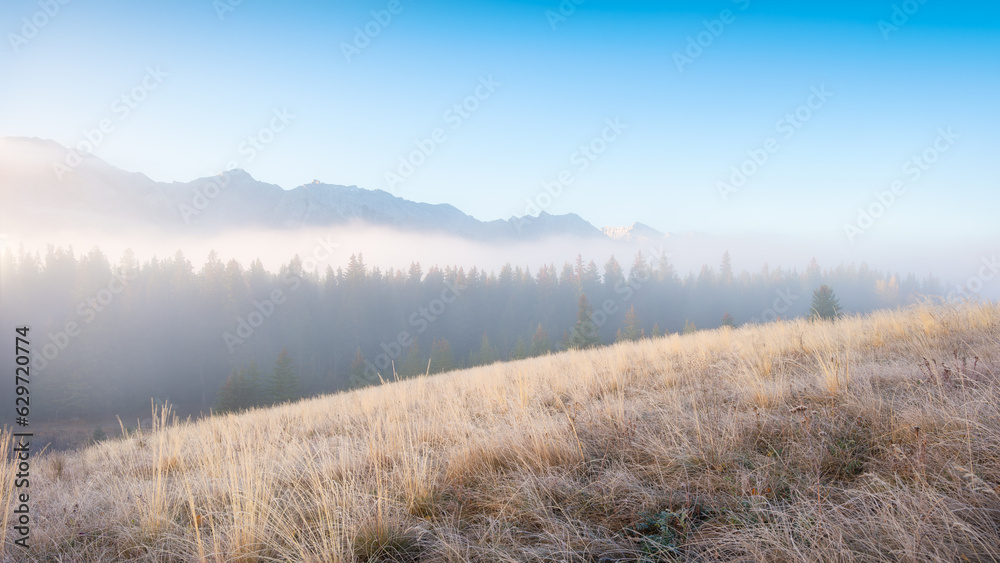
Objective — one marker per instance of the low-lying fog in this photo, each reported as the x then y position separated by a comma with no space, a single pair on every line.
953,262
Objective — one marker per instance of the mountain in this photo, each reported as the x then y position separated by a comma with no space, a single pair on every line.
43,182
636,232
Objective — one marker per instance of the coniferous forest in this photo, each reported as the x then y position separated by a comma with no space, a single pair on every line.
223,335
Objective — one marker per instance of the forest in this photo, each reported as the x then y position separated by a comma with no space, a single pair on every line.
111,335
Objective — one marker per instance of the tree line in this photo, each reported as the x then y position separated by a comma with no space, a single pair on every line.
165,329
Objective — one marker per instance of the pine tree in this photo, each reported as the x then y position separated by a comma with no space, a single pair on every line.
689,327
631,329
824,304
357,370
284,383
657,331
253,397
414,363
727,320
520,349
487,354
441,357
228,398
585,333
539,343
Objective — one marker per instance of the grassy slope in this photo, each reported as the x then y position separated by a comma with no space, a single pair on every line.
790,441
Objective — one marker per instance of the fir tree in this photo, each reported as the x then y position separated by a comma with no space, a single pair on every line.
824,304
251,395
441,357
539,343
689,327
284,384
585,333
631,329
487,354
727,320
657,331
228,398
358,370
414,363
520,349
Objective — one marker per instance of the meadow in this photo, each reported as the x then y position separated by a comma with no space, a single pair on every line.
869,438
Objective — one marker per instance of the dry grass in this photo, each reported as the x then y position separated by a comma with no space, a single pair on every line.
874,438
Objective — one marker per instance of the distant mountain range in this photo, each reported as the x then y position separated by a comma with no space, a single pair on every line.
42,181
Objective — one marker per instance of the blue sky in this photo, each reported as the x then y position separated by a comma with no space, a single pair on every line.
559,82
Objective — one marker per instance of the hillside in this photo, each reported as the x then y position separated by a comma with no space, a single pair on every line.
872,438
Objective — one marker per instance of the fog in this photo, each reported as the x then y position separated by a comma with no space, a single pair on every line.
952,261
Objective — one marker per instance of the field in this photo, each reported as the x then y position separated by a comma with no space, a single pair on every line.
867,439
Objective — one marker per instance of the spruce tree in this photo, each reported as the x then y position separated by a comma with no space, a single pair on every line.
520,349
284,383
824,304
414,364
727,320
252,395
585,333
487,354
441,357
631,329
539,343
228,398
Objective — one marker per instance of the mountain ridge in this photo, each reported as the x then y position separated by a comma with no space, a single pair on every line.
43,178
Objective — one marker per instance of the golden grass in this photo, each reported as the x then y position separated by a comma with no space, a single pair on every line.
873,438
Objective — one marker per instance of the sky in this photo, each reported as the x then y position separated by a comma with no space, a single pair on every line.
619,111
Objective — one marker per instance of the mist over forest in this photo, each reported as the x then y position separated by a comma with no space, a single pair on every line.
115,332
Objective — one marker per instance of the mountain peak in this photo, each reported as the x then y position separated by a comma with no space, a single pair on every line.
635,232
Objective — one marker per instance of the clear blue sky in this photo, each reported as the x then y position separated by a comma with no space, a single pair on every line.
892,90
